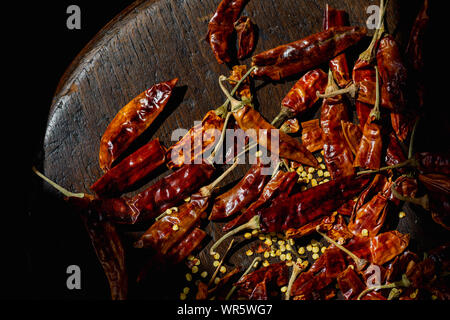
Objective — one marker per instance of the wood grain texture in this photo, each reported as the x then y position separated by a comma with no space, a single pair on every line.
154,41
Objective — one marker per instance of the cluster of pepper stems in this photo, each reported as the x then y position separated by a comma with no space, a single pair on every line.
360,188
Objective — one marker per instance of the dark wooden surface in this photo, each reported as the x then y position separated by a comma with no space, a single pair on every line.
153,41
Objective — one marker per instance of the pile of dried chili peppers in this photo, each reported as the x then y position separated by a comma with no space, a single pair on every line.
346,193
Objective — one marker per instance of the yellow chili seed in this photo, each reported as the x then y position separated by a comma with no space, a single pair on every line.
301,250
191,257
217,256
266,263
247,235
187,199
278,252
262,237
194,269
315,249
299,260
322,166
365,232
315,256
249,253
216,280
289,263
266,254
186,290
288,247
197,262
268,242
188,277
175,227
326,174
282,257
280,242
309,247
303,188
204,274
255,232
283,289
288,256
223,269
320,173
319,159
283,248
326,180
183,296
313,182
309,176
402,214
310,170
304,174
305,263
216,263
291,242
323,249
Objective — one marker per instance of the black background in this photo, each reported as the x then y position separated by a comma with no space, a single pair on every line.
41,243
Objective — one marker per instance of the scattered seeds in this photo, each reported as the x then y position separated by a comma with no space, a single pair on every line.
402,214
247,235
315,256
183,296
186,290
204,274
223,269
175,227
188,277
283,289
301,250
249,253
365,232
266,254
194,269
266,263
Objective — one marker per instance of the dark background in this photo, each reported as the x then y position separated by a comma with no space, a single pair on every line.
41,243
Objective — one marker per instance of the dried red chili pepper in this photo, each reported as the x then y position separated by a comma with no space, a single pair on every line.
186,246
260,131
132,120
302,96
241,195
221,28
171,190
433,162
370,148
131,170
312,135
305,54
337,154
256,285
246,37
338,65
350,284
394,153
352,134
290,126
281,182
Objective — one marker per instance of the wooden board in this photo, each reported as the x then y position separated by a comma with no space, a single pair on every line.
153,41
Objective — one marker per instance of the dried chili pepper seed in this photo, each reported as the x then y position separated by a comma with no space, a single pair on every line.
175,227
216,280
223,269
301,250
183,296
365,232
283,289
249,253
194,269
216,256
216,264
204,274
315,256
402,214
186,290
266,254
247,235
188,277
266,263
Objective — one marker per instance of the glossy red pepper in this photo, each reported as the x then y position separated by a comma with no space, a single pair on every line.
352,134
131,170
394,152
305,54
337,154
312,135
433,162
350,284
302,96
241,195
132,120
185,247
246,37
221,28
338,65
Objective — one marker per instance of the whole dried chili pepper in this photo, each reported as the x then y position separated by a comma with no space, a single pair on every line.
312,135
287,211
187,150
305,54
281,182
338,65
131,170
337,155
370,148
260,131
242,194
371,216
132,120
221,28
352,134
302,96
246,37
256,285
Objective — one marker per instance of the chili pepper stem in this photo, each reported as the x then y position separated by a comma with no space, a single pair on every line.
221,139
206,191
223,109
351,89
220,263
230,293
402,283
295,272
62,190
375,113
424,201
369,55
409,162
253,224
360,263
280,118
412,138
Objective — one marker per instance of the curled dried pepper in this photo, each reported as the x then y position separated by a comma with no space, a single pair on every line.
338,65
241,195
221,28
246,37
260,131
337,154
369,151
302,96
132,120
312,135
305,54
132,169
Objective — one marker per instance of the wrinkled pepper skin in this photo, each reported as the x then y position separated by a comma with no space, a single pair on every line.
259,130
246,37
293,211
176,155
241,195
305,54
312,135
131,170
338,65
303,95
172,190
185,247
221,28
369,152
132,120
433,162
